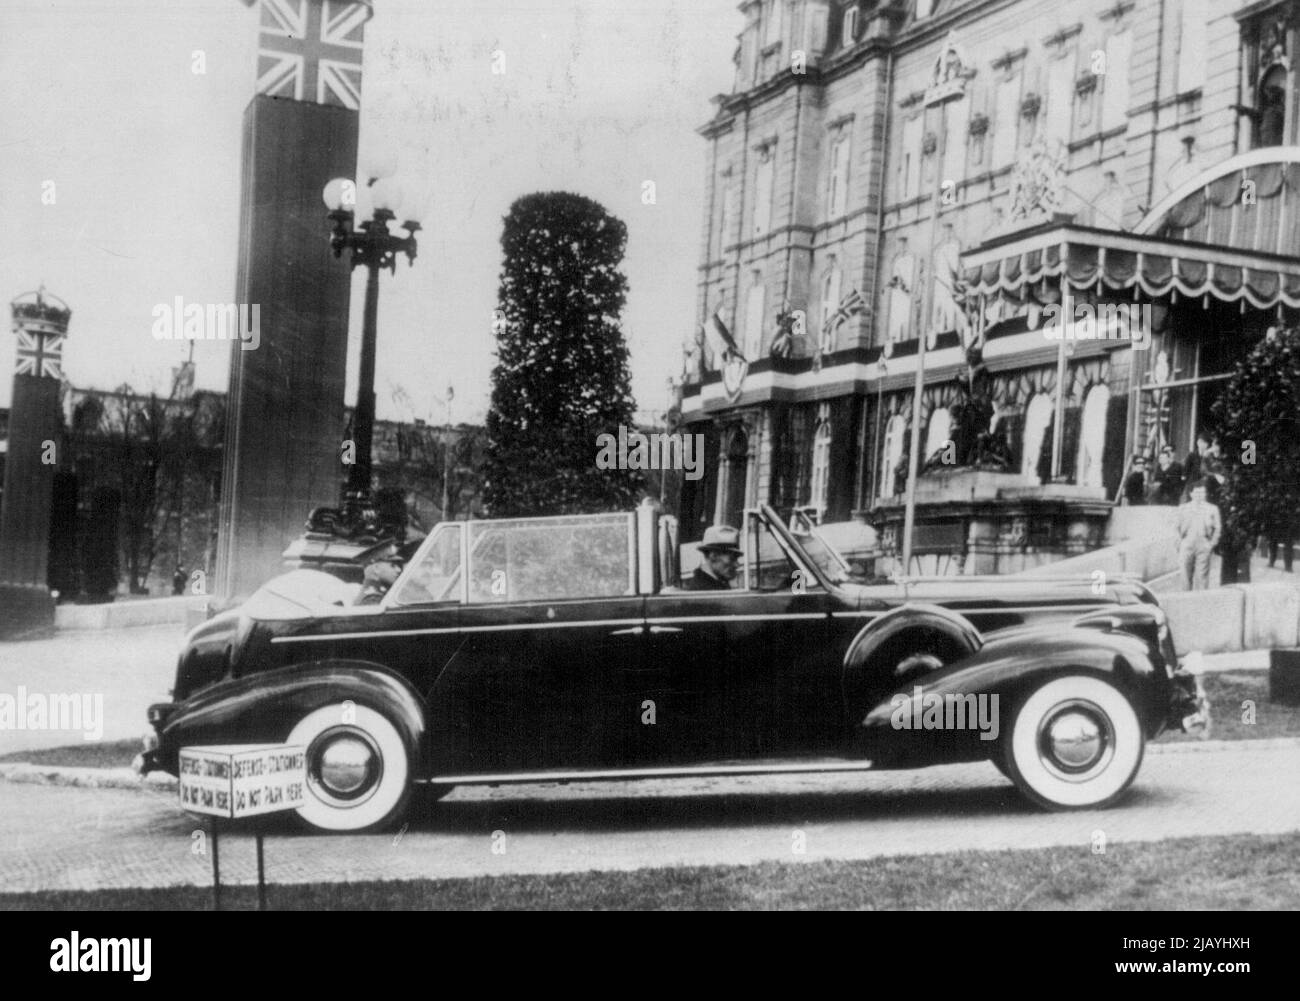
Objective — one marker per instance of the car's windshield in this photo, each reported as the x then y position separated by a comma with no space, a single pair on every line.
435,573
814,544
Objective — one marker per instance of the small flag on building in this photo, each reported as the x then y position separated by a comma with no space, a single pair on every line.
719,338
850,305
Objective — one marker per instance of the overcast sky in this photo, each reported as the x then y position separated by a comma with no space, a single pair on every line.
598,96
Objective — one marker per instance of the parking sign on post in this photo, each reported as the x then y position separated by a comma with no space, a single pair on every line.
242,780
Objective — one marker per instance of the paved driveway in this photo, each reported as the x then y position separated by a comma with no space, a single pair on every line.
126,668
56,837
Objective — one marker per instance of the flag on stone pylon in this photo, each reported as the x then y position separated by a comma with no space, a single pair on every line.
39,354
310,50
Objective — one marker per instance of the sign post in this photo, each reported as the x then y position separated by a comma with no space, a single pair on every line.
241,780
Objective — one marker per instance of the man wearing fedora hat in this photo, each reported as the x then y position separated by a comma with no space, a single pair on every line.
721,551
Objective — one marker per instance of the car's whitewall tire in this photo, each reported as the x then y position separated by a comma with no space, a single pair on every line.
1075,743
358,768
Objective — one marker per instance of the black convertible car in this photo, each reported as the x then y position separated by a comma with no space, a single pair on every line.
564,648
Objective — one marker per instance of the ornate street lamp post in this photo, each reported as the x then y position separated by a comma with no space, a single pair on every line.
373,247
342,540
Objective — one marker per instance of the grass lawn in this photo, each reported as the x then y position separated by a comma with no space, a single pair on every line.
1233,873
1227,691
111,754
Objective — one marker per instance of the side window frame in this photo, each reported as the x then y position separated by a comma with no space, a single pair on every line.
627,520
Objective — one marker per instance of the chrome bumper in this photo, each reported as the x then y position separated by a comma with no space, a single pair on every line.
1197,722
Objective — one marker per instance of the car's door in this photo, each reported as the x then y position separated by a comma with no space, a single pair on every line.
551,620
746,673
420,615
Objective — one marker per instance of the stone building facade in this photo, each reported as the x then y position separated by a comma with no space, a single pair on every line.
948,178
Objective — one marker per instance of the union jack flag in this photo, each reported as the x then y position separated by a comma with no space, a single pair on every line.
311,50
39,354
850,305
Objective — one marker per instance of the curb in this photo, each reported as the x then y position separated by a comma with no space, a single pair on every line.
84,778
1185,746
1240,660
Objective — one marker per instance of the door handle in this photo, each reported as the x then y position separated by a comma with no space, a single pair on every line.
665,629
633,631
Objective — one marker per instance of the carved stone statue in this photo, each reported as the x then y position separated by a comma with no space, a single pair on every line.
976,443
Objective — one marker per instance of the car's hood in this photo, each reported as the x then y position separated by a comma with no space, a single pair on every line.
301,594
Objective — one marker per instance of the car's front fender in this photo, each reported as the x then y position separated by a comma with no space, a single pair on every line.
263,707
1000,676
883,655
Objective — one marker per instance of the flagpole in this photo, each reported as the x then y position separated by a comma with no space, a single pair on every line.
918,387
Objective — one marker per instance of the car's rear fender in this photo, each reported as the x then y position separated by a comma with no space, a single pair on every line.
1000,676
263,707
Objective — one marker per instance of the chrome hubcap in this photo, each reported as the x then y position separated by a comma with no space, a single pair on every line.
1076,740
345,764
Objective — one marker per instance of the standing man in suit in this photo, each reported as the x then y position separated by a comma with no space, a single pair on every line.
1135,485
721,551
1194,468
1199,529
1168,479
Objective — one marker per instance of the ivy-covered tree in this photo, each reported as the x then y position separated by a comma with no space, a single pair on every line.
1258,417
561,377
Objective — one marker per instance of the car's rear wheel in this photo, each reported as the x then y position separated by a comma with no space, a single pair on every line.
1075,743
358,769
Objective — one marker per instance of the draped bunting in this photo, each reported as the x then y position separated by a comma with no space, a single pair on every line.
1251,211
1154,274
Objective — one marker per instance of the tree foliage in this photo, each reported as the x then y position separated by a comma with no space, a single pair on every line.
1259,434
100,568
561,377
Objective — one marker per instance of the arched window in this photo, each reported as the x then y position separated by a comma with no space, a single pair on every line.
830,302
1092,438
734,488
1115,85
819,487
1272,107
1191,45
772,30
939,432
1038,415
891,454
837,178
764,179
754,304
849,31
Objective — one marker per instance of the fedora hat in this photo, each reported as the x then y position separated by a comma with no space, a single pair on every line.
721,539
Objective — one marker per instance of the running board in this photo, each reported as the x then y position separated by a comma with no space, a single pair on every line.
629,774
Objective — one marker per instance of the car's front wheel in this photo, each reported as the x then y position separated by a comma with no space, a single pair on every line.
1075,742
358,768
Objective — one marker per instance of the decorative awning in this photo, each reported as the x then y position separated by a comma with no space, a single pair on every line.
1092,259
1232,233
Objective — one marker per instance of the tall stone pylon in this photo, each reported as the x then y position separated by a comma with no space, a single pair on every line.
40,322
285,400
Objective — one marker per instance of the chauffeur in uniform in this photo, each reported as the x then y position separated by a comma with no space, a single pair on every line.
721,551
